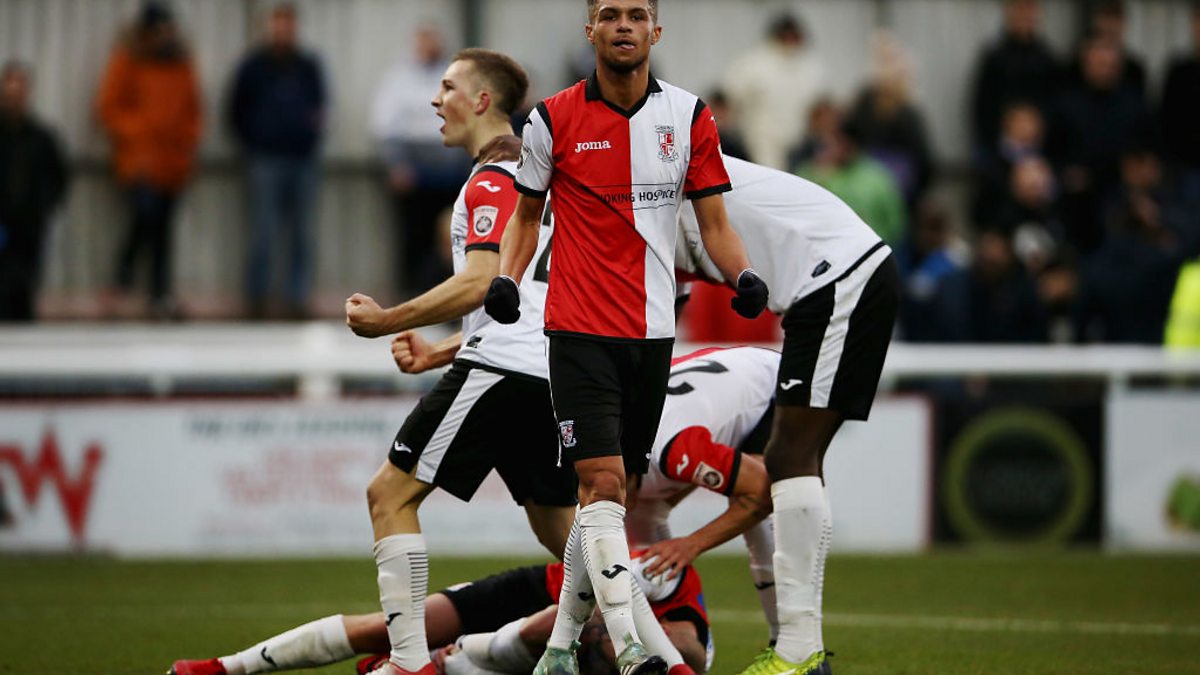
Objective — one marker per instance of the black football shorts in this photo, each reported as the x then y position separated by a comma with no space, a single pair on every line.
836,338
486,605
475,420
608,396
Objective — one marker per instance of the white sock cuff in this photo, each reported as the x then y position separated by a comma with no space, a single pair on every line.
398,544
334,637
508,649
803,492
602,514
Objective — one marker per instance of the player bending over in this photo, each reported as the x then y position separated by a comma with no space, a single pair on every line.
499,624
720,403
497,380
835,283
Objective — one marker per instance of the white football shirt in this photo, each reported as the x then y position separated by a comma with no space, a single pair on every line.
798,235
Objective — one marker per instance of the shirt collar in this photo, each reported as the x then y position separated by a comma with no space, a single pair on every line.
592,89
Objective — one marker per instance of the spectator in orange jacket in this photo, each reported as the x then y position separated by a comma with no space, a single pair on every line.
149,103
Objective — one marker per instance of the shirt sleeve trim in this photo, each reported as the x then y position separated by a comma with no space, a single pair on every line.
545,114
528,191
483,246
733,473
663,456
492,168
707,192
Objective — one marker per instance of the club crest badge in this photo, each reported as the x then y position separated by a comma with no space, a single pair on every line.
566,429
709,477
485,219
666,143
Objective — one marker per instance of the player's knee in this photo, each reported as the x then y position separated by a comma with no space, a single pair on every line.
602,485
387,493
784,459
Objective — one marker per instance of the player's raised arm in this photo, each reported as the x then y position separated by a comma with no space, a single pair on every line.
452,299
414,354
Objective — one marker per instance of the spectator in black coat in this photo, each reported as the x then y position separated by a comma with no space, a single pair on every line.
994,300
1127,284
1022,137
1107,20
892,128
1095,121
1181,113
927,259
33,181
1018,67
733,143
278,112
1031,202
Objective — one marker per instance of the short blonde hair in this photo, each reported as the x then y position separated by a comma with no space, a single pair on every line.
500,74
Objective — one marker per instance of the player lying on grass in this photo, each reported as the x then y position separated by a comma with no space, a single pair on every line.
499,624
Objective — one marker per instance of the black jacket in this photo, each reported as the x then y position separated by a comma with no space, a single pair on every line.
278,103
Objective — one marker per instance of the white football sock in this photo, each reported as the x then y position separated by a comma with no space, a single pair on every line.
317,643
827,538
606,554
403,583
802,534
654,638
576,600
760,544
503,650
461,663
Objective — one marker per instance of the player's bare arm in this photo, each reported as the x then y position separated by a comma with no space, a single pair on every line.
452,299
721,241
519,241
749,503
517,246
726,250
414,354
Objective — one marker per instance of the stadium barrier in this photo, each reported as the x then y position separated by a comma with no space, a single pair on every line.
171,474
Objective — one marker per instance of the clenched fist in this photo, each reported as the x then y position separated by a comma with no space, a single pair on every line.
365,317
411,352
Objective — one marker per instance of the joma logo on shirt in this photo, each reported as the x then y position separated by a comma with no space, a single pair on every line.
593,145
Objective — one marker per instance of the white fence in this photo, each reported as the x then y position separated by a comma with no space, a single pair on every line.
322,354
176,476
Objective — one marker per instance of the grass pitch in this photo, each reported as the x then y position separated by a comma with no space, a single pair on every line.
943,613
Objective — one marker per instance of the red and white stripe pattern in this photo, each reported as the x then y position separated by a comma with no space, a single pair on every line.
616,180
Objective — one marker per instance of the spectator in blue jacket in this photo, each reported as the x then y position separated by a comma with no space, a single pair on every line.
277,112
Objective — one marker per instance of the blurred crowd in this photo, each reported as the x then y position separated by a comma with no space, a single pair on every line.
149,105
1084,192
1081,222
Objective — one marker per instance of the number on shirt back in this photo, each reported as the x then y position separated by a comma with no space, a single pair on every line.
700,367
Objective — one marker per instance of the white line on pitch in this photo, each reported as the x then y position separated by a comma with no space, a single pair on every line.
980,625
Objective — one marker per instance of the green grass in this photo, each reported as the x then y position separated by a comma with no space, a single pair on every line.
944,613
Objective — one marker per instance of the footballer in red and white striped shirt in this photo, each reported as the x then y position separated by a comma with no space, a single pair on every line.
617,154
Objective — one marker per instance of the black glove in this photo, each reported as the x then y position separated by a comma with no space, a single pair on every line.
503,300
751,297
